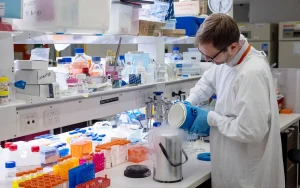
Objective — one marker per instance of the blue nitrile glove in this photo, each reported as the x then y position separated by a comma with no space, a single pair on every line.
200,125
187,103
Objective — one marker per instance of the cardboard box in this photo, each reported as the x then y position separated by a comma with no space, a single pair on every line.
36,76
149,28
187,8
31,65
35,90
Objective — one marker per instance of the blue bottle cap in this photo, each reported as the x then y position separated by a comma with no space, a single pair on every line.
203,156
214,96
96,58
77,129
79,50
90,129
156,124
99,139
102,135
95,134
10,164
122,57
175,48
67,60
158,93
61,61
94,139
83,131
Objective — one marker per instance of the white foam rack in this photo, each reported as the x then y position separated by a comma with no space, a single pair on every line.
40,114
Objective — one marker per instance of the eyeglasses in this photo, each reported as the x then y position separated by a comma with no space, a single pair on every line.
212,58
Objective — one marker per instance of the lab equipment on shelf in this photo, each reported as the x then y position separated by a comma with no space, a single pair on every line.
49,155
79,62
161,72
98,160
81,86
97,72
62,74
72,86
140,70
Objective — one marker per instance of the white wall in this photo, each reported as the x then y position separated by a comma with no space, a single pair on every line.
101,49
274,11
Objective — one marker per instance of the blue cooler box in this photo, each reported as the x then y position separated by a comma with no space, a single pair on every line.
191,24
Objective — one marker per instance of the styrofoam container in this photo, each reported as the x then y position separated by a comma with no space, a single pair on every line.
124,19
35,90
36,76
65,16
31,65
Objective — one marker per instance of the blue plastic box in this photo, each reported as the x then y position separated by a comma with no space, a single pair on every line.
191,24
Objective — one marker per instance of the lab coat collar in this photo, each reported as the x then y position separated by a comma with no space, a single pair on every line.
238,56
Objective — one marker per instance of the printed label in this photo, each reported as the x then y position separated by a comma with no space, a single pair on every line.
45,76
259,25
109,100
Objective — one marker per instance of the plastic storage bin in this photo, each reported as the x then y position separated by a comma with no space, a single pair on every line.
76,16
191,24
124,19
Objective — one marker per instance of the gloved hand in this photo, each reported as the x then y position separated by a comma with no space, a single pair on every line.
200,125
187,103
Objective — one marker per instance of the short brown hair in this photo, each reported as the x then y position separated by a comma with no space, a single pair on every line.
219,29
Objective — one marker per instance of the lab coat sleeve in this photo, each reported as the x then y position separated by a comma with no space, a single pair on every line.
251,112
204,88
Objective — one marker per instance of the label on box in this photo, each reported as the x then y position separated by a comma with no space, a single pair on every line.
44,77
118,72
187,7
2,9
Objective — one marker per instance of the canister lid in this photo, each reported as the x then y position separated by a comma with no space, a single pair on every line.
177,115
3,79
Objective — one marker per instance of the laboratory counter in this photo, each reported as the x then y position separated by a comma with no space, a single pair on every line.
195,172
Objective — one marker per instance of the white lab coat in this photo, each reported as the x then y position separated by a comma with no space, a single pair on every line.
245,142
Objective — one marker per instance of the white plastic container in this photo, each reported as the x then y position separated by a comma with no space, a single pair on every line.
124,19
71,16
142,71
10,170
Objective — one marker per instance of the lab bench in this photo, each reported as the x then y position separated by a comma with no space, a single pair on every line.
289,127
195,172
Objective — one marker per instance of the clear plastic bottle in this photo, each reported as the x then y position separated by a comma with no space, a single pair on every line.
10,170
35,157
152,73
81,78
62,74
79,61
176,54
212,104
142,71
13,153
97,72
87,80
161,72
171,71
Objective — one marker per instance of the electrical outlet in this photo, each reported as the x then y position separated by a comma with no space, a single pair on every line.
51,118
28,122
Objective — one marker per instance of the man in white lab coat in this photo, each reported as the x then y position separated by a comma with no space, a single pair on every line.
245,139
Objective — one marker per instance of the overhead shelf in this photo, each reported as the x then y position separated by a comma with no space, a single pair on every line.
36,37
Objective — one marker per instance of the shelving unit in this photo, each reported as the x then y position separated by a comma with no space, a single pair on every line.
45,114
